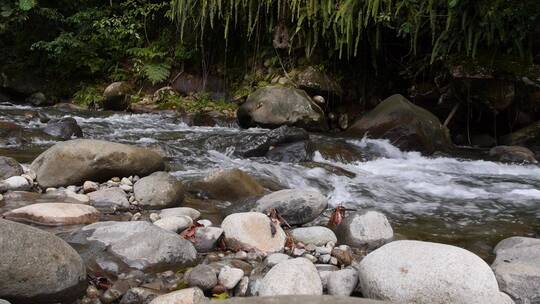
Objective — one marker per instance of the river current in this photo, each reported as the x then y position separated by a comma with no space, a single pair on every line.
470,203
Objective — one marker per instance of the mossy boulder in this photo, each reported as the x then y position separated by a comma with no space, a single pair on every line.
317,82
406,125
275,106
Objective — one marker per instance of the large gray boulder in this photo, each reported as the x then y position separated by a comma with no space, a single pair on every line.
159,190
38,267
115,246
252,230
517,268
296,206
428,273
365,229
9,167
406,125
275,106
300,299
292,277
76,161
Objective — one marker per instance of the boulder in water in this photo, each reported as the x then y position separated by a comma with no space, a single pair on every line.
428,273
292,277
9,167
64,128
37,266
54,214
159,190
513,154
406,125
275,106
229,185
517,268
75,161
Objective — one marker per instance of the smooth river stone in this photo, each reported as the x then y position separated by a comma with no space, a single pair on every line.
54,214
252,230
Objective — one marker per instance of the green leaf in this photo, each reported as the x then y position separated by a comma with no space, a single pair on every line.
27,5
221,296
157,72
452,3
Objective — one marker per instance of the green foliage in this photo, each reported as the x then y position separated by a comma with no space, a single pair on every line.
151,63
89,97
346,26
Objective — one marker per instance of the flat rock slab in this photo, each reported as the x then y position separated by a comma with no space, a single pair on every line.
301,299
517,268
113,246
54,214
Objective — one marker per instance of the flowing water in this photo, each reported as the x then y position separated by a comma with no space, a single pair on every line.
471,203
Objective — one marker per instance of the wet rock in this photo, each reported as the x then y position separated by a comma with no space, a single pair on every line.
296,206
229,277
184,296
37,266
317,82
301,299
64,128
138,245
116,96
342,282
159,190
10,134
39,99
316,235
15,183
275,106
206,238
180,211
139,295
366,229
406,125
255,145
9,167
54,214
75,161
252,230
276,258
203,277
517,268
291,153
513,154
292,277
174,223
109,199
424,272
229,185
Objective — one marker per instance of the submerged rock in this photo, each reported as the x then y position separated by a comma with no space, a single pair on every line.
159,190
76,161
369,229
229,185
430,273
37,266
296,206
54,214
64,128
406,125
9,167
517,268
137,245
259,144
275,106
292,277
252,230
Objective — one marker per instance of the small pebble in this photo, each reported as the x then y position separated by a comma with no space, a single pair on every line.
311,247
333,261
92,292
298,252
137,216
126,181
115,179
131,198
323,250
126,188
1,197
205,223
241,255
325,258
310,257
50,190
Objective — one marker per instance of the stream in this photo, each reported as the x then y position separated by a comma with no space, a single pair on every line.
469,203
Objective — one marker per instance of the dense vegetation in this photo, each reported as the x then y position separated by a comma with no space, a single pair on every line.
76,45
